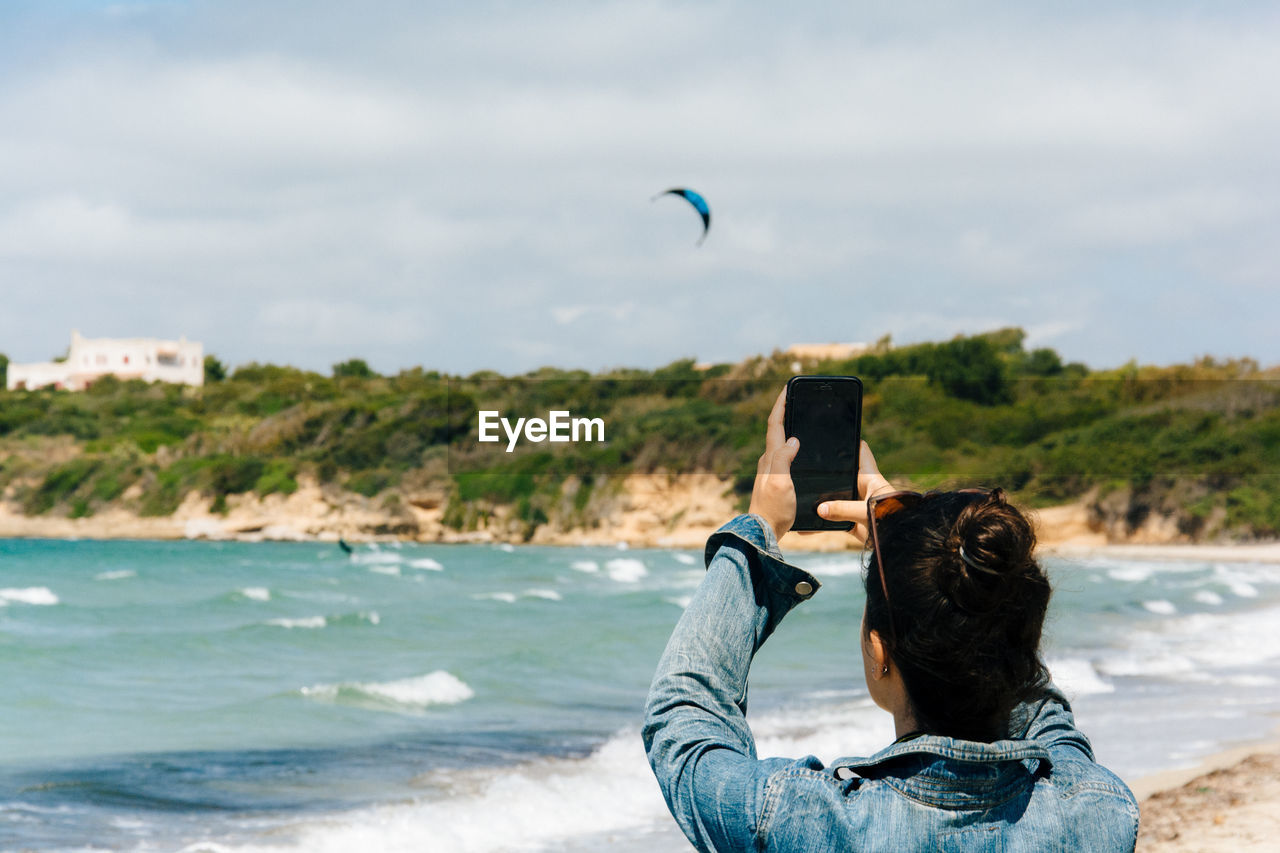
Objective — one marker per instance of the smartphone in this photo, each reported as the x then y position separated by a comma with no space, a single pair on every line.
825,413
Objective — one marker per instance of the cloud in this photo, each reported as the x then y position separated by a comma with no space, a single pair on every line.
485,170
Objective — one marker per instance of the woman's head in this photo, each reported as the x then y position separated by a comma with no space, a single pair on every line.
966,604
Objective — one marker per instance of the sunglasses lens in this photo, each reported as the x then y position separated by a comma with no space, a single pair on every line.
889,504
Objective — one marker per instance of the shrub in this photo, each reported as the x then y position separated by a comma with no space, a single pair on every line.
278,477
233,475
58,484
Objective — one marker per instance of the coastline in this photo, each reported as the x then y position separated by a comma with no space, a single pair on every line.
647,511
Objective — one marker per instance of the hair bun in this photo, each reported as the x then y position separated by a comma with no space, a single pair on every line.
994,546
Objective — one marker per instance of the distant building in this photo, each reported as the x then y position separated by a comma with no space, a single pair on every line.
148,359
826,352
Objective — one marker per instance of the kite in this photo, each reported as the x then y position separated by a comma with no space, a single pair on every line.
699,204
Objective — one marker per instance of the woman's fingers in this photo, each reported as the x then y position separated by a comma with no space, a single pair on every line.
855,511
776,436
870,480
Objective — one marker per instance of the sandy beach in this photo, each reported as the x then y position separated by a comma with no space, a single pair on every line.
1230,802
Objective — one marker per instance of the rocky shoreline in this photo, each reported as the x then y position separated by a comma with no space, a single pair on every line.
647,510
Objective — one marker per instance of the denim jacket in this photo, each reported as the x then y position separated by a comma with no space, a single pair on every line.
1038,790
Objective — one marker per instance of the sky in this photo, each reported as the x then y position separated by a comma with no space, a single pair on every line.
467,186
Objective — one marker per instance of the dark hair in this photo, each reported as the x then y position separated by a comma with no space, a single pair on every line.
966,635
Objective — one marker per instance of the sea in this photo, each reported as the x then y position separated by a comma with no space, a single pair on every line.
209,697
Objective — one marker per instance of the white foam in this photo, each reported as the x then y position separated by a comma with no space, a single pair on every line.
383,569
847,729
1244,589
687,559
551,804
256,593
548,594
589,566
681,601
1149,663
405,694
426,564
304,622
117,575
375,558
1243,580
1207,596
505,547
1077,677
1160,607
36,595
508,597
1131,574
625,569
1197,646
623,546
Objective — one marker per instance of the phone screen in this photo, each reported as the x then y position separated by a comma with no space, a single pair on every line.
825,414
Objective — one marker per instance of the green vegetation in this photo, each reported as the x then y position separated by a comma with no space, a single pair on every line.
355,368
1199,441
214,371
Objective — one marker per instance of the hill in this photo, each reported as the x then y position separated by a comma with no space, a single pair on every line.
1190,450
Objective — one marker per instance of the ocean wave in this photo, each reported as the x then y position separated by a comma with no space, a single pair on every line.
681,601
625,569
1131,574
301,622
363,617
1189,647
1161,607
426,564
1149,663
36,595
1243,589
1077,677
117,575
551,803
547,594
405,694
254,593
687,559
375,558
588,566
508,597
385,569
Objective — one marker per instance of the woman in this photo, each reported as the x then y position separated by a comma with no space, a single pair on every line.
987,757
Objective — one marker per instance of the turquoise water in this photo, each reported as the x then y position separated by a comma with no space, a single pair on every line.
210,696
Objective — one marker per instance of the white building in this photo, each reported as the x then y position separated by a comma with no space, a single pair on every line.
148,359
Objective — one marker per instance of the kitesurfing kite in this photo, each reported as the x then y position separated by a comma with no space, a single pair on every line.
699,204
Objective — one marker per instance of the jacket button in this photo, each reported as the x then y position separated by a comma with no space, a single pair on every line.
804,588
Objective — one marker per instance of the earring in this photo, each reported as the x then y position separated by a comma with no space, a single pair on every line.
885,670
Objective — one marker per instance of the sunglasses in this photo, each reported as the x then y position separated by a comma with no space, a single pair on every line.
880,507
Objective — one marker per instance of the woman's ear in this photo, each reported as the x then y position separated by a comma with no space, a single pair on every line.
877,654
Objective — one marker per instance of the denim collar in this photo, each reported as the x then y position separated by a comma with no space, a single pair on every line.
965,751
950,773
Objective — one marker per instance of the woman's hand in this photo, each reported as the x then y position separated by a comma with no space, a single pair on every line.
870,482
773,497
